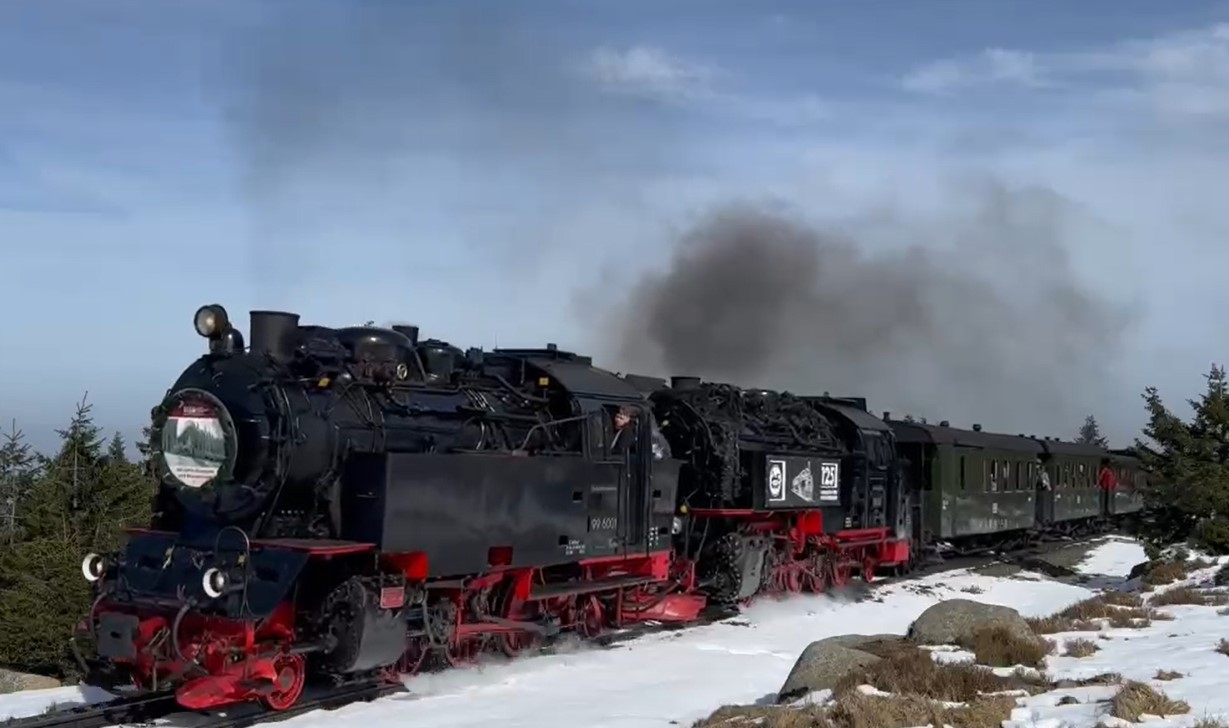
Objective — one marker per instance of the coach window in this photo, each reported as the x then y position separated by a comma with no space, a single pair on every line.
963,485
1005,474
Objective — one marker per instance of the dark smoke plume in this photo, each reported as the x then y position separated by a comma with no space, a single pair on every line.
979,318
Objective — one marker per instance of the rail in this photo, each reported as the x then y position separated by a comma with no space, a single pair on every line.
148,708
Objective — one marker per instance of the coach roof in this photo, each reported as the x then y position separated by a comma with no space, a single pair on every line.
945,435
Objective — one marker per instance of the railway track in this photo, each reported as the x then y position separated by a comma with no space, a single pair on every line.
147,708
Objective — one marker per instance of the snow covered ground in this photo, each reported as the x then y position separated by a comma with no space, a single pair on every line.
677,677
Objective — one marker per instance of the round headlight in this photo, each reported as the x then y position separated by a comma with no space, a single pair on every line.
214,583
210,320
92,567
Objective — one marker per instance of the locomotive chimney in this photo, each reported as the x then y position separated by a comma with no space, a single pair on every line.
684,382
272,333
887,416
410,332
976,427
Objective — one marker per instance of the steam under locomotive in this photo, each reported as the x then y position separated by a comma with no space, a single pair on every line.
343,503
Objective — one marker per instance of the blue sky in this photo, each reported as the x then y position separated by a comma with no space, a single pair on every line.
500,172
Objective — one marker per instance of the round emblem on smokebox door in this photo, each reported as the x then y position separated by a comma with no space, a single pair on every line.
198,439
776,480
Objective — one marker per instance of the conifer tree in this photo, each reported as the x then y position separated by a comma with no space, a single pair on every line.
1090,433
42,594
1188,492
18,468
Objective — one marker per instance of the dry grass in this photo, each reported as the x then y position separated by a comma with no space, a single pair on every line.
744,716
915,672
1123,611
1121,599
1000,647
1166,675
1054,624
1105,678
1189,595
1165,572
1210,723
1223,647
1136,699
919,687
856,710
1081,648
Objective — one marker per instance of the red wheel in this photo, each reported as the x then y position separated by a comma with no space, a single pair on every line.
793,577
289,683
464,652
868,570
839,575
514,643
413,658
590,619
814,577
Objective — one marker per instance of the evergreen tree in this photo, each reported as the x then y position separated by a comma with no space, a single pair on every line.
75,502
1090,433
18,468
1188,493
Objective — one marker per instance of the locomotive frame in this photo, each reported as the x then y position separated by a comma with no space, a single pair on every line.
377,503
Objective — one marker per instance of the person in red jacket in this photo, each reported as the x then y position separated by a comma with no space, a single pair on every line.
1106,478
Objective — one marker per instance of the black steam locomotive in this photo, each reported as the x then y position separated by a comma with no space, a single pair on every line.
355,502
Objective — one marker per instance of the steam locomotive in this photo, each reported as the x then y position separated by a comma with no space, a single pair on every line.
339,504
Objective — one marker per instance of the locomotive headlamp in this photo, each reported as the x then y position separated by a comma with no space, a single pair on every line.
92,567
211,320
214,582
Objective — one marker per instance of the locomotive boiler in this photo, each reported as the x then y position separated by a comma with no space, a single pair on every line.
341,502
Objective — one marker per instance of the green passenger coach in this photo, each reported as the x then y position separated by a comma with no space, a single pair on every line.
975,487
983,490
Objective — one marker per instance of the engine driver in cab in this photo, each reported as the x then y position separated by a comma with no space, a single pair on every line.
626,422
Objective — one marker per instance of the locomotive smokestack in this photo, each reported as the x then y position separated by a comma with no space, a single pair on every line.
410,332
273,333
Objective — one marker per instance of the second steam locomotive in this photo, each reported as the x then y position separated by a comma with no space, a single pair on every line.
346,503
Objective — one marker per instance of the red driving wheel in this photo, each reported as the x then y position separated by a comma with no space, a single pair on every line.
289,682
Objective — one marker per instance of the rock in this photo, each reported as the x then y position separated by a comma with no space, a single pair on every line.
875,644
822,664
1138,570
954,621
14,682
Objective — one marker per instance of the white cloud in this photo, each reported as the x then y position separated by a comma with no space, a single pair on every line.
646,71
1183,74
993,66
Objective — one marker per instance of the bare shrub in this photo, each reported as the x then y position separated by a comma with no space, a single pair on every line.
1188,595
855,710
1001,647
1136,699
1164,572
1081,648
